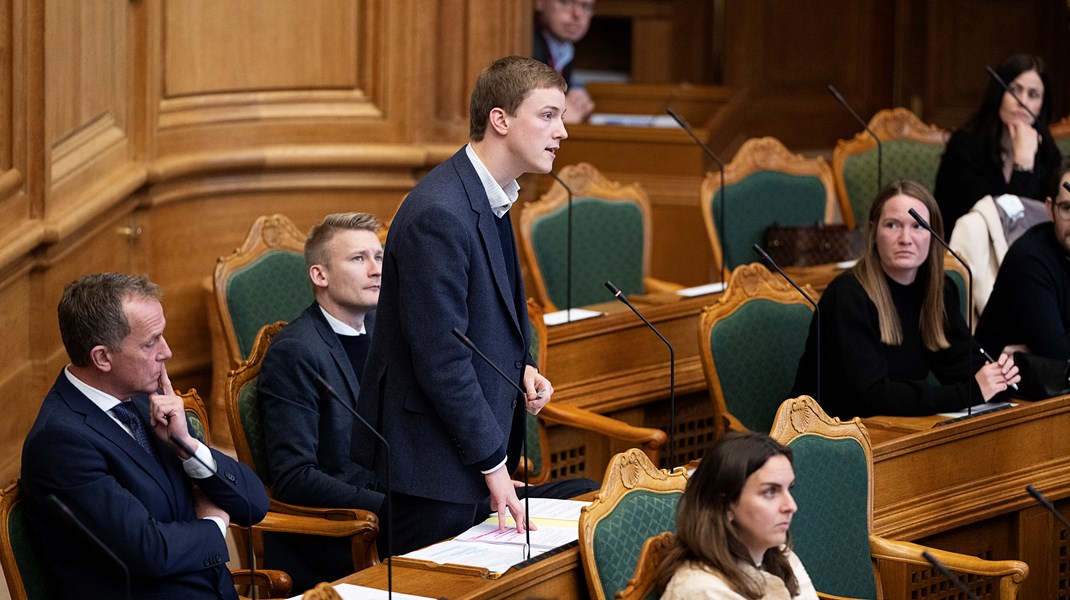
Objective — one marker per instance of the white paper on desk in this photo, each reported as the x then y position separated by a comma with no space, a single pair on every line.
701,290
349,591
545,537
554,508
628,120
562,316
977,409
496,558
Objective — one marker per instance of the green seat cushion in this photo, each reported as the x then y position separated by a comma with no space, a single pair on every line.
903,159
620,535
274,287
35,576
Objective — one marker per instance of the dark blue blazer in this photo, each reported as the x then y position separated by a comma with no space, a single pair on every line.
306,431
443,410
141,508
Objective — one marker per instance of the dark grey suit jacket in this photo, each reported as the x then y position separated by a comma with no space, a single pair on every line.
306,431
443,410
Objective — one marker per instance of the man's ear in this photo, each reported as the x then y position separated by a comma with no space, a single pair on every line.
499,121
100,358
318,275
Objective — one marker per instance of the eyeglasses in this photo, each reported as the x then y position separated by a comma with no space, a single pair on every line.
1062,209
586,6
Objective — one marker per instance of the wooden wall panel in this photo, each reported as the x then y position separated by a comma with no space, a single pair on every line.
16,380
316,49
87,78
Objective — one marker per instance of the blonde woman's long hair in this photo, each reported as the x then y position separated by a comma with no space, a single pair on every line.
870,273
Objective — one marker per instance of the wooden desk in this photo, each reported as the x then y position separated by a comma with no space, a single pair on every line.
961,486
559,576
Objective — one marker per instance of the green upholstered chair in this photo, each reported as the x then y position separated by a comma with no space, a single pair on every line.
1060,132
247,431
832,531
911,150
23,562
653,553
650,440
958,276
765,184
610,240
263,281
751,341
637,501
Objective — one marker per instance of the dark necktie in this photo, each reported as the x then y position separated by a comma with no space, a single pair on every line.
127,414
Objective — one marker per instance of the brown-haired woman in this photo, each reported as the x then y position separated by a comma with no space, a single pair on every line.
893,320
732,526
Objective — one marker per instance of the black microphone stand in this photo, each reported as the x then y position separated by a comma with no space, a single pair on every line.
1007,89
939,566
880,153
248,507
389,498
568,251
68,514
524,431
969,303
619,295
720,216
1047,504
817,311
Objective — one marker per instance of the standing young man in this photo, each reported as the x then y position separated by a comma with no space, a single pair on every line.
451,262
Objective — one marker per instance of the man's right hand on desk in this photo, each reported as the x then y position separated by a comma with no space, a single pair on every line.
503,497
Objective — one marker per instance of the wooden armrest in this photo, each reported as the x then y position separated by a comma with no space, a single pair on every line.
276,583
824,596
654,284
317,525
330,513
910,553
649,439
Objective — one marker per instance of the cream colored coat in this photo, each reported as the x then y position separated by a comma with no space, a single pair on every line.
693,581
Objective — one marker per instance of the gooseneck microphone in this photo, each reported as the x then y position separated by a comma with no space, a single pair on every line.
939,566
524,431
68,514
389,504
619,295
1007,89
969,303
568,250
248,507
1047,504
817,311
720,216
880,150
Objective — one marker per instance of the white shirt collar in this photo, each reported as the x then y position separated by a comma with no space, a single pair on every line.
501,199
103,400
341,328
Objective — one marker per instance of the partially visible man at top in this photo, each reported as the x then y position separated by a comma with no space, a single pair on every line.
559,24
1030,301
307,429
110,443
452,422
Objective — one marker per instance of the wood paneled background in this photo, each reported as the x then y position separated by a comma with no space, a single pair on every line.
146,135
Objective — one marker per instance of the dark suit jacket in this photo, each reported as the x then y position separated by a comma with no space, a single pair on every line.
306,431
140,508
444,411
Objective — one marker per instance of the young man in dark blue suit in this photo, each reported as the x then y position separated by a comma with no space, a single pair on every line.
451,263
102,445
306,429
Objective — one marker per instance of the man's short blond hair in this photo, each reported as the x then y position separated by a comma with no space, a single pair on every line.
320,235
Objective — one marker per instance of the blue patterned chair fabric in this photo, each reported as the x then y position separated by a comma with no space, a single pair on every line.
607,244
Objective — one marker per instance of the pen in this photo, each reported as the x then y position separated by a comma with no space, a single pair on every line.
988,357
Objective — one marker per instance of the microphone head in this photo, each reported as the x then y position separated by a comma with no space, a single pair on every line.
464,339
762,254
613,289
832,90
1034,493
919,219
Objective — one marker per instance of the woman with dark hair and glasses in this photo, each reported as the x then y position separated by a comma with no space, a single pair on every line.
893,321
1005,147
732,525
